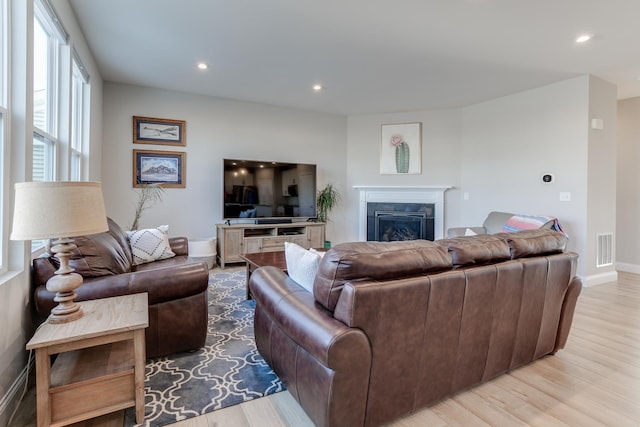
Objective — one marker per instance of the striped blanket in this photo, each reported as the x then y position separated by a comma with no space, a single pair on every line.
531,222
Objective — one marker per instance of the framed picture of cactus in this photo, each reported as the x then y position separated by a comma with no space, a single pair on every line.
400,148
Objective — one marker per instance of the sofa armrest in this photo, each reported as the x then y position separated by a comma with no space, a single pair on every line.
324,363
179,245
162,284
171,283
461,231
309,325
566,315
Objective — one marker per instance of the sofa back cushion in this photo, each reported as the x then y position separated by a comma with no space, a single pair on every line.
97,255
476,250
360,261
529,243
121,238
436,334
100,254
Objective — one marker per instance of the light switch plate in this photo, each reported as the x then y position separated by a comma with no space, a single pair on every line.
565,196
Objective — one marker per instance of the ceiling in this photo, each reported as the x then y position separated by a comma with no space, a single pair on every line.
371,56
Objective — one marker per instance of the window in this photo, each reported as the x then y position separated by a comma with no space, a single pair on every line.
43,166
60,110
49,37
46,54
79,113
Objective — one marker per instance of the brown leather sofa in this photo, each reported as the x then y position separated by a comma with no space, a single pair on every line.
176,287
393,327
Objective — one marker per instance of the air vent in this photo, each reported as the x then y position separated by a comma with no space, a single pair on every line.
604,250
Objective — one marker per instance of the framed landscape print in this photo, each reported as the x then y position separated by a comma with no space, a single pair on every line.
400,148
167,168
147,130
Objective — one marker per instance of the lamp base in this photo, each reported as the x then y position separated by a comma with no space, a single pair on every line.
64,283
55,319
66,310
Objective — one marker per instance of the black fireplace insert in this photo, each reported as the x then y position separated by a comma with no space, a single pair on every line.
388,222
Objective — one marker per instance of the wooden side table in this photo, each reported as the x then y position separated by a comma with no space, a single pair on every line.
100,364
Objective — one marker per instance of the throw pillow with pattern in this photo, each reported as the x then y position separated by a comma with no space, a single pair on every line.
150,244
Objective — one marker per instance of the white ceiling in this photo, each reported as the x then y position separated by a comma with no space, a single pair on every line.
371,55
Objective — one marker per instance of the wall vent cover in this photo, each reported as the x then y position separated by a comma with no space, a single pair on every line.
604,250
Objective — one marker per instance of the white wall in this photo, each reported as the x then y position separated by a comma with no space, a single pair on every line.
216,129
14,287
441,130
497,152
601,178
628,185
510,142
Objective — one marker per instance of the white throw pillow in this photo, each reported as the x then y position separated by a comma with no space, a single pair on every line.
317,252
470,232
150,244
302,265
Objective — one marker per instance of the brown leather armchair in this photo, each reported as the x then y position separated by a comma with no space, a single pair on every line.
177,287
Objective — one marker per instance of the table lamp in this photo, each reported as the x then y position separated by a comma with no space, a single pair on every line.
59,210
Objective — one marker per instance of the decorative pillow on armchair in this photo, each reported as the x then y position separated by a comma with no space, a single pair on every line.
150,244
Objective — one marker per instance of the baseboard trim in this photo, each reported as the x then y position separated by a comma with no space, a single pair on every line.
11,400
628,268
599,279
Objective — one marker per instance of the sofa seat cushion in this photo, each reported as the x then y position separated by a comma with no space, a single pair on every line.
164,263
476,250
358,261
534,242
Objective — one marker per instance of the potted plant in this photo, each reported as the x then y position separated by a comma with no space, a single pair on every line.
327,199
147,196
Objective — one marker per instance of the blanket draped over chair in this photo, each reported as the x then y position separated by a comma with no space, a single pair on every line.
530,222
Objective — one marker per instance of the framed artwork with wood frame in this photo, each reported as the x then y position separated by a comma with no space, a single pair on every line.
166,168
147,130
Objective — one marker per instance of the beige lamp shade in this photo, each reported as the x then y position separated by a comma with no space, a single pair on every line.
47,210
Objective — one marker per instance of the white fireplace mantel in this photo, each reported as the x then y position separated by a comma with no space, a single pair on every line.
402,194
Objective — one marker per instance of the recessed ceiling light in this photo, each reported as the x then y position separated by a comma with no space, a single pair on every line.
317,87
202,65
583,38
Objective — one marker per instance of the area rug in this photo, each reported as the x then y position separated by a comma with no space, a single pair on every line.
227,371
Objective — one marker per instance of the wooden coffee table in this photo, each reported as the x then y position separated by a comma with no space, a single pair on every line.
261,259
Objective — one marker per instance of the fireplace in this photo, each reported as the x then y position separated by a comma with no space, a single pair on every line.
389,222
414,210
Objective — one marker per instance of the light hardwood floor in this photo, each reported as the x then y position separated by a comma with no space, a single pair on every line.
594,381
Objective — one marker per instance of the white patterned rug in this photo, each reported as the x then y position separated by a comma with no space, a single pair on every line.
227,371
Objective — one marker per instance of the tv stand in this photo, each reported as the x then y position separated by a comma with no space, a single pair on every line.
238,239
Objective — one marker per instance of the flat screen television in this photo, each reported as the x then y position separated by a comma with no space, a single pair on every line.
268,190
